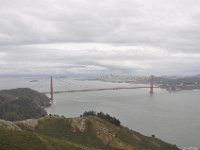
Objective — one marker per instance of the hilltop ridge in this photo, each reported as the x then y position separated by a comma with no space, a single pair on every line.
80,133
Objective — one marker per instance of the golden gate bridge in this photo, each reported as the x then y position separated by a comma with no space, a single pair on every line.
86,89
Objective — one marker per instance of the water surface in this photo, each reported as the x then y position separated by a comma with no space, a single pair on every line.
171,116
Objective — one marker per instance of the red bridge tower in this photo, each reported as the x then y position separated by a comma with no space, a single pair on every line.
51,89
151,81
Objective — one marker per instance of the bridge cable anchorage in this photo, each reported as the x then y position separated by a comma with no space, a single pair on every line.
151,81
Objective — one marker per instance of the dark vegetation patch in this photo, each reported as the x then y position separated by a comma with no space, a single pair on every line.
21,104
39,98
20,109
101,115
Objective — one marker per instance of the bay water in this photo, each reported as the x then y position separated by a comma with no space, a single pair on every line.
171,116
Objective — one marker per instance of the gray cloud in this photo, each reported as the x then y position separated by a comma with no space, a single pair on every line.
81,36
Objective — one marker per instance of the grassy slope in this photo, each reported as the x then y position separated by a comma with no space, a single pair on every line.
57,133
26,140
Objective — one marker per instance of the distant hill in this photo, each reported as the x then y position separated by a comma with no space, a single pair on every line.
39,98
82,133
22,103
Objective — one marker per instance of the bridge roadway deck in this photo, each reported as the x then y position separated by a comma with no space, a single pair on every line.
99,89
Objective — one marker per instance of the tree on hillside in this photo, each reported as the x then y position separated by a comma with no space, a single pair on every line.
101,115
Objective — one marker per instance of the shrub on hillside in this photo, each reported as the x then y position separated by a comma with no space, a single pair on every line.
101,115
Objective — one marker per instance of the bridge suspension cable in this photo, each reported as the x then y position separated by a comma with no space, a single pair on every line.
70,83
39,83
84,88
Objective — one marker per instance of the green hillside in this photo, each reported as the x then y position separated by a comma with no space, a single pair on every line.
82,133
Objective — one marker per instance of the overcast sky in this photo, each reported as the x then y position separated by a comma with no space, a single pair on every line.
134,37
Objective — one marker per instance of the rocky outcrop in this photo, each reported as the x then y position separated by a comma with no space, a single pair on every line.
79,124
8,125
